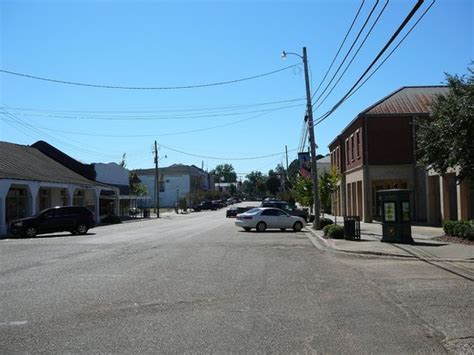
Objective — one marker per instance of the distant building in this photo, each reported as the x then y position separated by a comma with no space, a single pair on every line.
376,151
175,181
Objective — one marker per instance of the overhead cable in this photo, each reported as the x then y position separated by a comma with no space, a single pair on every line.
179,87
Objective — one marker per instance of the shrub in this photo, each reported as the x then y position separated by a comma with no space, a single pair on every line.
335,231
326,229
323,222
448,227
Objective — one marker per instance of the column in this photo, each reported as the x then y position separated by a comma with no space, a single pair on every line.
34,189
70,194
444,198
4,188
462,192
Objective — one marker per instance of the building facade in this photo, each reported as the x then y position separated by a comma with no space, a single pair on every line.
376,151
30,181
175,182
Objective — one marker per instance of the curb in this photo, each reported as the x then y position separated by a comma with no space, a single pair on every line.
322,243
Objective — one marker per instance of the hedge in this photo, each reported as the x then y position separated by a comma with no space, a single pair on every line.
461,229
334,231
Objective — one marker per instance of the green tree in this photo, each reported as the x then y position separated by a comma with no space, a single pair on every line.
327,187
446,139
255,183
136,187
302,191
272,183
225,173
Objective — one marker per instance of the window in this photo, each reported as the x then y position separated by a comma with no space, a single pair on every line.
347,151
352,147
358,143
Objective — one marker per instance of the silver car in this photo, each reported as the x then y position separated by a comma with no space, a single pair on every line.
262,218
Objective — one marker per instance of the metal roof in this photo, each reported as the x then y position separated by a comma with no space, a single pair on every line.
407,100
21,162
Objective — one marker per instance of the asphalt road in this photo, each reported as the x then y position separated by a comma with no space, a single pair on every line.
196,283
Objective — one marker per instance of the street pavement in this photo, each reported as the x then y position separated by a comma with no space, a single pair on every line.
196,283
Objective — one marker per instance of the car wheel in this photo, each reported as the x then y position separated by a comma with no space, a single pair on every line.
30,232
297,226
261,226
82,229
247,229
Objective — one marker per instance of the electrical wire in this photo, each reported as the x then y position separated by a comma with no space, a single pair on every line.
348,52
91,134
355,54
340,47
154,111
152,118
381,52
224,158
180,87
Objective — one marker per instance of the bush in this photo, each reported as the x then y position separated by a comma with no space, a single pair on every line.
335,231
326,229
461,229
448,227
323,222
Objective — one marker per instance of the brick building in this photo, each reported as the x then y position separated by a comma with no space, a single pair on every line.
376,151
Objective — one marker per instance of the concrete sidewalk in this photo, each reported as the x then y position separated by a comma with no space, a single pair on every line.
457,257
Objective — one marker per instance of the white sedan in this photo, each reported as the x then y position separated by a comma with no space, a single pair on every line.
262,218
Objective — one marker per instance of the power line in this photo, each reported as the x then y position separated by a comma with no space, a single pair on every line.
152,118
152,134
224,158
355,54
340,47
382,51
154,111
180,87
348,52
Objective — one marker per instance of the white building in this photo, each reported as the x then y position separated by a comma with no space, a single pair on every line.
30,181
176,181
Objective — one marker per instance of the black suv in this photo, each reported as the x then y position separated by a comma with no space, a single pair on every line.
286,207
74,219
208,205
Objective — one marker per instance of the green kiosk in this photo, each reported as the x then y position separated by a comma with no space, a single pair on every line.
396,215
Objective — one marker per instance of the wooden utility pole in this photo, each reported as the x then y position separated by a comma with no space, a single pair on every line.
157,184
314,169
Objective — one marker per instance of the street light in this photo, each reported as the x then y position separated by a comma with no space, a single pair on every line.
309,109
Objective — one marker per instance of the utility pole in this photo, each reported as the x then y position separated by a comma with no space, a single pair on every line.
314,171
286,152
157,184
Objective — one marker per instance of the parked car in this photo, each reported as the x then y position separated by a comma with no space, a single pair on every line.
234,211
262,218
207,205
74,219
286,207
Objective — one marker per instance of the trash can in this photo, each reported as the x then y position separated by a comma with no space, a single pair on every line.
352,227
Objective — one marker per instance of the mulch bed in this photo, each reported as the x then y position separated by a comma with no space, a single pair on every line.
455,240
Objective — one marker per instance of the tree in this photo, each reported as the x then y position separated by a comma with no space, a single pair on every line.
302,191
123,162
327,187
225,173
446,139
255,183
136,187
272,183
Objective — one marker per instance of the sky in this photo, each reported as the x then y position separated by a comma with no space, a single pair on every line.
189,43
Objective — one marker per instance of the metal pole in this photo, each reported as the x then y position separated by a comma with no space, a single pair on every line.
157,184
314,171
